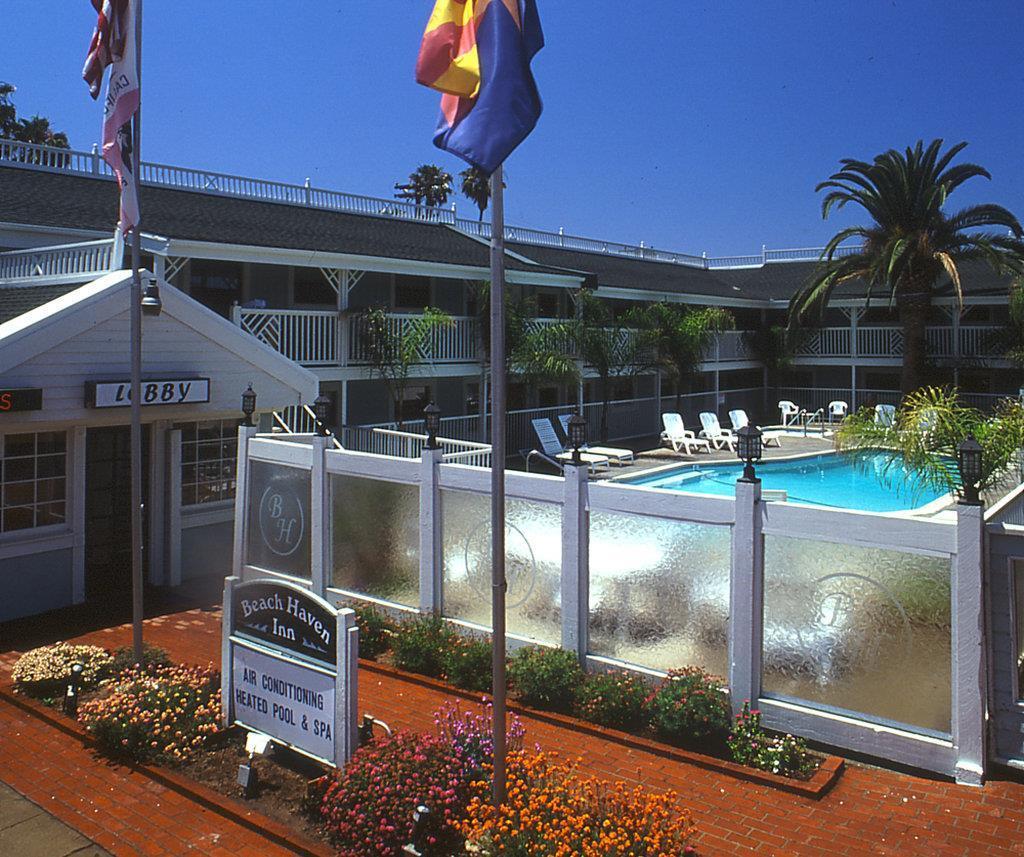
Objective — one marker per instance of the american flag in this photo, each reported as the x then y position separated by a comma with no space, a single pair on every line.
108,41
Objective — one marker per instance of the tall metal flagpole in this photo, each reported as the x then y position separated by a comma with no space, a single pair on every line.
498,378
135,316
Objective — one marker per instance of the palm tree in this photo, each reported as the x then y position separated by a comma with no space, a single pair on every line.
429,185
926,431
911,242
682,336
476,187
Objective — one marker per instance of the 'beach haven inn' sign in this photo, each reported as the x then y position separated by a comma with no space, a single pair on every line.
288,670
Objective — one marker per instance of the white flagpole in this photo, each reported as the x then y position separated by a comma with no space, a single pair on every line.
498,386
135,316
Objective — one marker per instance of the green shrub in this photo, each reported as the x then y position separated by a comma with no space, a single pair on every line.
545,678
614,699
161,715
750,745
375,631
152,657
45,672
421,644
468,664
689,708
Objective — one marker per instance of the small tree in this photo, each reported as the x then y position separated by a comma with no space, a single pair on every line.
682,336
429,185
928,427
36,129
476,187
394,345
613,346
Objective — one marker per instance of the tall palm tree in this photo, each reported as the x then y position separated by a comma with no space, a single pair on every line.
476,187
429,185
911,242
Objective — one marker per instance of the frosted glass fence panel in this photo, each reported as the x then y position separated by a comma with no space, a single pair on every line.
375,538
861,629
533,551
278,525
659,592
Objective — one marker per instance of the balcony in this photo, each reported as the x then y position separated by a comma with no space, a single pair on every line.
322,337
881,343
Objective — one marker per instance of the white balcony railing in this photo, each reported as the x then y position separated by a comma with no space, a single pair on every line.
976,341
66,262
309,337
448,343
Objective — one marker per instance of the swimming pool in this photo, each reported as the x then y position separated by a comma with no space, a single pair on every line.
828,479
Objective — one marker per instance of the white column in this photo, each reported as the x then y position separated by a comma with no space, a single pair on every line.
241,489
319,522
344,334
746,596
172,571
970,689
854,316
156,509
575,589
431,555
78,489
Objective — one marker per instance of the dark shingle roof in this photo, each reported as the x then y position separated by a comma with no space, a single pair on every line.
54,199
17,300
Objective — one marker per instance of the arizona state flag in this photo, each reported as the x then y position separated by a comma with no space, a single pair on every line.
478,53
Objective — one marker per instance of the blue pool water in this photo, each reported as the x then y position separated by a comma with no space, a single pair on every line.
824,480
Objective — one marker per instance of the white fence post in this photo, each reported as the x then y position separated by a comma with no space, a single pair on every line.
970,691
431,557
575,562
320,563
241,489
746,596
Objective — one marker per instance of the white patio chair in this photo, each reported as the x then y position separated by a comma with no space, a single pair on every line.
837,410
739,418
555,454
789,412
614,454
885,415
715,434
680,437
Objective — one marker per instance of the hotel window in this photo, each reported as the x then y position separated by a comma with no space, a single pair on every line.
411,293
208,454
32,480
216,284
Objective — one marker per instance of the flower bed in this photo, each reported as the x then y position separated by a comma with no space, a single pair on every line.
688,709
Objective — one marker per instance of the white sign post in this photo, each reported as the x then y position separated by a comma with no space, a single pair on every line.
289,668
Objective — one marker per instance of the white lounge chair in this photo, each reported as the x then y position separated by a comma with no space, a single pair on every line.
788,412
739,418
885,415
614,454
837,411
715,434
680,437
555,454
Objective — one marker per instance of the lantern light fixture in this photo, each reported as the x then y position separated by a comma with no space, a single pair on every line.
969,462
248,406
432,421
748,449
577,432
321,409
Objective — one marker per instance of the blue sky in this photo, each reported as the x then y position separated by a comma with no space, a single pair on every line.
690,126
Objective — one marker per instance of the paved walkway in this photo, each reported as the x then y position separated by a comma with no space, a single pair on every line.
28,830
870,811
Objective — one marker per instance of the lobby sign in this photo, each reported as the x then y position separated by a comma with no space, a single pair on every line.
21,399
163,391
289,661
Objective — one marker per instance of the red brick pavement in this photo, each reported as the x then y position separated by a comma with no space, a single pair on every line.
870,811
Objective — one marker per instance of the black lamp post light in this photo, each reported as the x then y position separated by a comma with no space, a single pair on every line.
968,459
248,406
748,449
432,421
321,409
577,432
